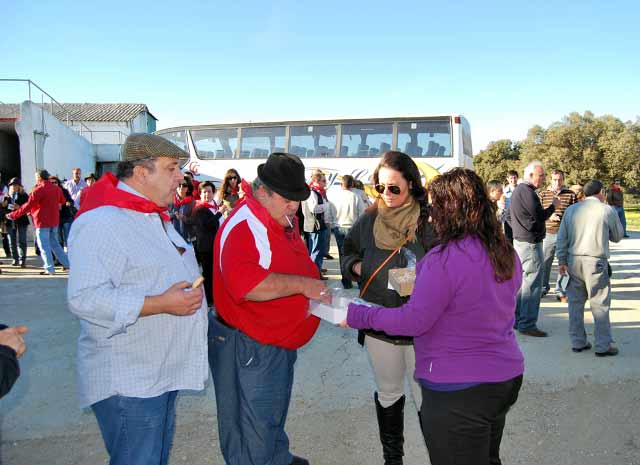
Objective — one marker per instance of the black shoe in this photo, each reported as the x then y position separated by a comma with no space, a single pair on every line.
391,425
23,265
15,264
43,273
580,349
323,270
299,461
610,352
328,257
626,235
324,278
535,332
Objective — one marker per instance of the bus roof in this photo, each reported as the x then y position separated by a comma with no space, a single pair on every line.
308,122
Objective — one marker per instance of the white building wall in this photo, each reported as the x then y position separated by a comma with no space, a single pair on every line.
62,150
105,132
107,152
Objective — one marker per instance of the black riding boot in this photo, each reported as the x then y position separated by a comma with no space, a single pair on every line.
391,423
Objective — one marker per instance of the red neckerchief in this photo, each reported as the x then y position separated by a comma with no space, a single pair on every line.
615,188
106,192
319,189
212,206
178,203
234,190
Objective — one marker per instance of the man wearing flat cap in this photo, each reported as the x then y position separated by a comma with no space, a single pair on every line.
263,279
142,328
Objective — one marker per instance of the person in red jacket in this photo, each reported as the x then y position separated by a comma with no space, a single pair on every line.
44,206
263,279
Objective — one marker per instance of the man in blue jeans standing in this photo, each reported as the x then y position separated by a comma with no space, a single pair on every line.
143,328
263,279
527,219
44,206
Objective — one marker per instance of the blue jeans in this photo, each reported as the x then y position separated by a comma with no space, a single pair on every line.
623,218
18,238
549,252
137,431
253,384
317,244
65,229
528,303
49,243
340,234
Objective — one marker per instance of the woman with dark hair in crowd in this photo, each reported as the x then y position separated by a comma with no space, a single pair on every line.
206,220
372,247
181,209
229,192
468,362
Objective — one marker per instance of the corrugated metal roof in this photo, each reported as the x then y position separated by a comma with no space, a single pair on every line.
85,111
101,111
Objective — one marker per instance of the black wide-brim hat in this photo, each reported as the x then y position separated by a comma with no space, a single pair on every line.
284,173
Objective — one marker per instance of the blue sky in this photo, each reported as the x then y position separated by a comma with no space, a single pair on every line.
504,65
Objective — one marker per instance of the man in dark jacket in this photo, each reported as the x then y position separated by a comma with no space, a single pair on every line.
12,347
17,229
527,219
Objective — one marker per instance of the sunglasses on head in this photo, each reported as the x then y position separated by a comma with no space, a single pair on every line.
380,188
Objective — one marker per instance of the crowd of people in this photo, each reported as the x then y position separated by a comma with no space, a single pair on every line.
138,241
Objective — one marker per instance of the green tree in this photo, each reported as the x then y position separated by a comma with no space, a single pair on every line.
498,158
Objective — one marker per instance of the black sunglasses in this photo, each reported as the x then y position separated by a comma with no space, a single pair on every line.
395,190
184,185
233,177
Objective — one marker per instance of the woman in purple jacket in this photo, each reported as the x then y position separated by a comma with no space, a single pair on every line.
461,315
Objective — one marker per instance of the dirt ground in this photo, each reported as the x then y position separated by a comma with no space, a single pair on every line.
573,408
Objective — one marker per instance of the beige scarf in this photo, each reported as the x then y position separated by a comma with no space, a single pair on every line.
393,225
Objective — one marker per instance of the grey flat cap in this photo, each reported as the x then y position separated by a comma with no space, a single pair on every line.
141,145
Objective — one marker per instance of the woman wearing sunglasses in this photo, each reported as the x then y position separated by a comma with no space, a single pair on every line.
398,218
229,193
181,209
461,315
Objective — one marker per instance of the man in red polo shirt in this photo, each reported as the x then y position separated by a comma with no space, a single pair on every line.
263,279
44,206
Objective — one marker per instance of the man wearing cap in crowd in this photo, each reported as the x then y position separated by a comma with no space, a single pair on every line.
583,253
75,186
18,228
90,181
263,279
142,328
44,206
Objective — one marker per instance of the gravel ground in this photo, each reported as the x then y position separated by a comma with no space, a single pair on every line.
573,408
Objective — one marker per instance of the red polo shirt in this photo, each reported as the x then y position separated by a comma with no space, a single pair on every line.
44,205
249,245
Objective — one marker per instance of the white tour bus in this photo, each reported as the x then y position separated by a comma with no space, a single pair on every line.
338,147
